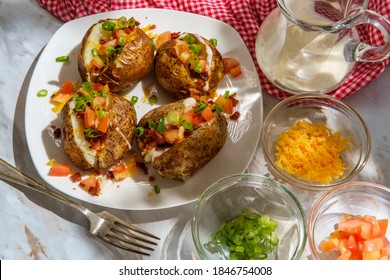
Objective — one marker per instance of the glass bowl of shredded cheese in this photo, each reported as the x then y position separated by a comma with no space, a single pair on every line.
315,141
351,222
248,216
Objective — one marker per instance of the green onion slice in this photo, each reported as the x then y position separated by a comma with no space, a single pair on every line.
122,22
152,99
248,236
199,107
139,131
161,126
173,117
134,99
213,41
157,189
94,52
108,26
63,58
42,93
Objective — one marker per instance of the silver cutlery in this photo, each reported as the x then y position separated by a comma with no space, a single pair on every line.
104,225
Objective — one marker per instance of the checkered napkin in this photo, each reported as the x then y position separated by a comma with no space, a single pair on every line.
243,15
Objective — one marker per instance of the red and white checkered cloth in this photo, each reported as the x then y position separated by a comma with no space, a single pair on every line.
243,15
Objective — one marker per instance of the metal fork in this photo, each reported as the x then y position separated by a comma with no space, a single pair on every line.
104,225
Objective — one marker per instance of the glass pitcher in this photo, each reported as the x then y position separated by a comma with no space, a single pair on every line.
310,46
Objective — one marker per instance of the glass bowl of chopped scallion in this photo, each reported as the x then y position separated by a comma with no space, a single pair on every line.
248,217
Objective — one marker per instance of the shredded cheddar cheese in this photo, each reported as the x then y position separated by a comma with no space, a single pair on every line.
312,152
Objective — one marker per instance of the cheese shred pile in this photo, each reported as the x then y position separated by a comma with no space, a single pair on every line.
312,152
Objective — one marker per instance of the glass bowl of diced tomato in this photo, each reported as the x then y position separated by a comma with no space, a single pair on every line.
350,222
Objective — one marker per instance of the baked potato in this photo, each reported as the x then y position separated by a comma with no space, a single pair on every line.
179,138
189,65
115,52
97,127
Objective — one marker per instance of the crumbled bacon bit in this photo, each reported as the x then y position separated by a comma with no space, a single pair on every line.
75,177
235,116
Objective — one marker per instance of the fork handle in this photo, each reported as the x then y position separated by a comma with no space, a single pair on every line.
13,174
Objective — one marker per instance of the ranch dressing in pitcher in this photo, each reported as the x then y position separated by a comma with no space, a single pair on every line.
298,60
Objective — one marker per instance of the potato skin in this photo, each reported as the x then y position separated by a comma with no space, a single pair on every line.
184,159
174,77
129,67
117,140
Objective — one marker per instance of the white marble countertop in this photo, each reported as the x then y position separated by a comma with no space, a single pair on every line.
33,227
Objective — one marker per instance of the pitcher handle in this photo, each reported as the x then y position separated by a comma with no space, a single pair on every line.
361,52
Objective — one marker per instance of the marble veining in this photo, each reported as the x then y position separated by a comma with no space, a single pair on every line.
33,227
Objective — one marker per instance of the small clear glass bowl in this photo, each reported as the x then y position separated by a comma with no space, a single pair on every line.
354,198
317,109
227,197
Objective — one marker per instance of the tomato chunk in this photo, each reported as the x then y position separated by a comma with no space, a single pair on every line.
59,169
359,238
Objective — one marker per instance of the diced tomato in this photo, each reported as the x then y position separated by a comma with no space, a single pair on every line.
91,185
120,171
98,101
192,118
98,86
345,255
230,63
236,71
225,103
383,224
374,255
162,38
119,33
103,123
359,238
68,88
59,169
329,245
374,244
185,56
97,62
207,113
89,118
351,243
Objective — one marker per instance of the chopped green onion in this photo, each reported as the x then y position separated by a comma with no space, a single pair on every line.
64,58
134,99
248,236
103,93
218,108
198,69
94,52
161,126
187,125
91,133
227,94
189,39
122,22
86,85
121,40
195,48
152,99
131,21
156,189
173,117
153,43
108,26
213,41
42,93
199,107
139,131
151,124
109,50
